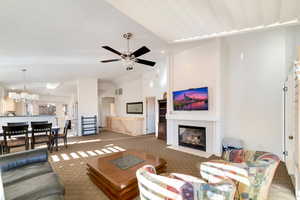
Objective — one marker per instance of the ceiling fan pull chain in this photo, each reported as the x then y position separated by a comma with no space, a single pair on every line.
128,45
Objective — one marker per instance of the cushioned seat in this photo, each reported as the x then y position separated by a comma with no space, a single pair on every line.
252,171
25,172
37,187
180,186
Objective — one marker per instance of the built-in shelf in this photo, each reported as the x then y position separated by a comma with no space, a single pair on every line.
162,122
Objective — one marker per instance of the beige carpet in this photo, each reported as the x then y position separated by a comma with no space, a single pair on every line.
70,164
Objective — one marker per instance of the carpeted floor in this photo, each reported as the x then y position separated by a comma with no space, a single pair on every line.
70,164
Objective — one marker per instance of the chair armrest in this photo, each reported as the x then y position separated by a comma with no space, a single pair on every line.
186,178
216,171
19,159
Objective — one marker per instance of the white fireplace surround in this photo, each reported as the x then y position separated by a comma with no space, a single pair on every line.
213,144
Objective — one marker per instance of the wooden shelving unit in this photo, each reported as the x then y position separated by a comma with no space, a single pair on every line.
88,125
162,121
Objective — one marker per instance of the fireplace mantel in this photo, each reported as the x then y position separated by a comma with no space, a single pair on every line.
213,136
193,117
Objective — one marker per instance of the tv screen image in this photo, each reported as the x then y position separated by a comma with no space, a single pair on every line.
191,99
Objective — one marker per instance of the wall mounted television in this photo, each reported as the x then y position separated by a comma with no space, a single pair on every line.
191,99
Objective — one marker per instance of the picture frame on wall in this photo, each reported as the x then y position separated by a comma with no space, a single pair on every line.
134,108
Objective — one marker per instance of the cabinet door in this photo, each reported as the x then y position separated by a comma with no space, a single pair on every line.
162,130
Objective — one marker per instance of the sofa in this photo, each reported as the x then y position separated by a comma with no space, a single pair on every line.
28,175
181,187
252,172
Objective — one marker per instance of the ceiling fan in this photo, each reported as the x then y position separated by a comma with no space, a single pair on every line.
129,58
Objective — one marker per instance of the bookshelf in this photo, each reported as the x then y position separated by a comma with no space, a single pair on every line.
162,121
89,125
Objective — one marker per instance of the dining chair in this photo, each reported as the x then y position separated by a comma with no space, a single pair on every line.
64,134
15,136
41,133
16,123
39,122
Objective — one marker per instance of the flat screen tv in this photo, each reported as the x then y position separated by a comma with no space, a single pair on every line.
191,99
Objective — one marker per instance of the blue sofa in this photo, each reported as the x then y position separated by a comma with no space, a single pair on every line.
28,175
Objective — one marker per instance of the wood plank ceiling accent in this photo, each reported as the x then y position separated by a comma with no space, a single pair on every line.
182,20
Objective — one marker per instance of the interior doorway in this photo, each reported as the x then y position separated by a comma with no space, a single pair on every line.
150,115
107,109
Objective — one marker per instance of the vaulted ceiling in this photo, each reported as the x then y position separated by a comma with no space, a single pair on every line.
182,20
60,40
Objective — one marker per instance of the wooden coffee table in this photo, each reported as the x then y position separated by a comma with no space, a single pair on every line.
117,183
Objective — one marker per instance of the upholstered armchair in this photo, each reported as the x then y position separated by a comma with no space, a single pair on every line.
180,187
252,171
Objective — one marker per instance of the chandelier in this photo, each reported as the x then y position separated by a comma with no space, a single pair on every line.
23,96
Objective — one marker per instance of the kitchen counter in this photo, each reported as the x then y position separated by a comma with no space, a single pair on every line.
1,116
128,125
50,118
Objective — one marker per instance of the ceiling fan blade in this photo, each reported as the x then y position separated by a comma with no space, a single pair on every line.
111,50
111,60
145,62
141,51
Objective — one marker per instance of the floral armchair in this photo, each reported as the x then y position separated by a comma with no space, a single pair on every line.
180,187
252,171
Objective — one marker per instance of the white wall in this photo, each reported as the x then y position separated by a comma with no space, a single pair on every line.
87,91
195,65
155,85
152,82
252,89
245,95
132,92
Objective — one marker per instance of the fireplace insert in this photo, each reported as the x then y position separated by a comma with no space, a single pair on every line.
192,136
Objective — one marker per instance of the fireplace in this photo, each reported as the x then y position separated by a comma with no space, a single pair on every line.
192,136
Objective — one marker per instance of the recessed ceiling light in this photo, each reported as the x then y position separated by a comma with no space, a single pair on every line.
162,51
52,86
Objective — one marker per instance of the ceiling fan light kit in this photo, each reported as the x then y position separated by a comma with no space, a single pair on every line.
129,58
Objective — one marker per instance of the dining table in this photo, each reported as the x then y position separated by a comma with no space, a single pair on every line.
54,131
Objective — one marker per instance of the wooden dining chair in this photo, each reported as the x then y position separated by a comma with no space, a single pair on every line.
64,134
39,122
15,136
16,123
41,133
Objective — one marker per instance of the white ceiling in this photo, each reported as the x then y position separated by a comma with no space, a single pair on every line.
60,40
183,20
